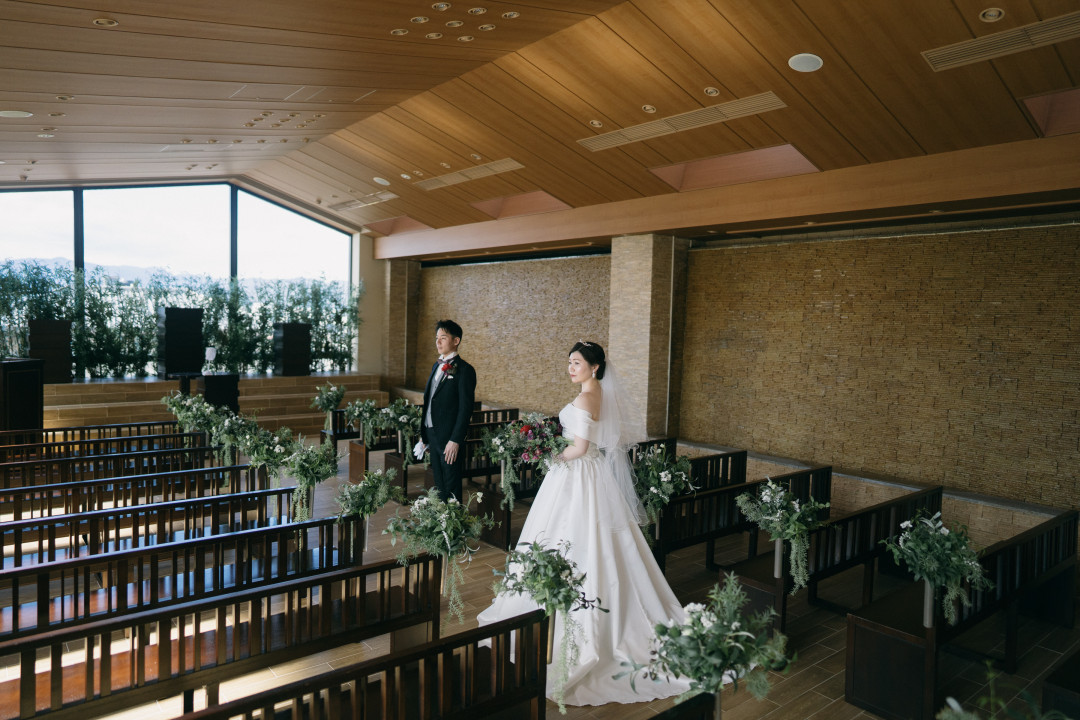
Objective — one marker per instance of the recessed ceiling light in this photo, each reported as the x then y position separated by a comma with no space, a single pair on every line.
486,28
511,15
406,176
990,15
238,141
301,126
105,22
275,124
477,11
65,98
320,115
454,23
596,123
399,31
50,129
648,108
445,165
417,173
294,114
260,141
185,141
266,113
284,140
380,181
419,19
57,114
466,38
15,114
805,62
475,156
711,91
441,6
258,119
45,135
433,36
211,141
249,124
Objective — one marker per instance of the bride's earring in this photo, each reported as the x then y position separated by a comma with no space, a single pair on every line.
594,373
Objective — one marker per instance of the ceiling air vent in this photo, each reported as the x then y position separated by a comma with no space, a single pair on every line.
364,201
1006,42
685,121
470,173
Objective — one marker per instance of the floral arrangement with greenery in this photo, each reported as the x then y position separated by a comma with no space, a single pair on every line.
532,439
714,644
942,557
658,479
310,465
327,399
998,706
444,528
229,431
552,580
404,418
271,450
780,514
373,491
192,412
362,414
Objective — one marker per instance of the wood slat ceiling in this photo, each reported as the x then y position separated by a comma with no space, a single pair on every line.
311,101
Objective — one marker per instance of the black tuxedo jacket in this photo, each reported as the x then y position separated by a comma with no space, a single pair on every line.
451,404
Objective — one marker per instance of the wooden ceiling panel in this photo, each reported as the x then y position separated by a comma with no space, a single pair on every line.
528,89
559,131
724,51
884,46
559,169
554,94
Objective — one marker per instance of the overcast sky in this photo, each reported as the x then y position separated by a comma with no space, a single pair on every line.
182,229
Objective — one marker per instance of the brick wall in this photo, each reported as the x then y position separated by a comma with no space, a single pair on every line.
519,320
950,359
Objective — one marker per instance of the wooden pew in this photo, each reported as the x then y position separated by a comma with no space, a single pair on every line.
699,707
495,671
718,470
705,515
475,464
846,542
87,432
892,659
21,503
57,595
100,446
218,639
65,537
59,470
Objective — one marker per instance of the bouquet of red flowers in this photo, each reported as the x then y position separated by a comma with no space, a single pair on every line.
532,439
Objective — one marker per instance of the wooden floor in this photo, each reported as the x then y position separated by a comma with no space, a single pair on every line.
812,688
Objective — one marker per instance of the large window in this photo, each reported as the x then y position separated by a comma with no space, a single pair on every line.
132,232
278,244
37,226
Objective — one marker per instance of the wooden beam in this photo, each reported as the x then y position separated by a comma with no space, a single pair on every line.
993,174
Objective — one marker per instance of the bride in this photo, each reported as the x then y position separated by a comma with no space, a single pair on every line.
588,499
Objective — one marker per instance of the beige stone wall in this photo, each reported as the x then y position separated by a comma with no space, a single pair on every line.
950,359
519,320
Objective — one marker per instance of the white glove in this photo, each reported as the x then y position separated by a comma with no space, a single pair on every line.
419,449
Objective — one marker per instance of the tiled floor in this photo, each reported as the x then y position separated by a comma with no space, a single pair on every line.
812,688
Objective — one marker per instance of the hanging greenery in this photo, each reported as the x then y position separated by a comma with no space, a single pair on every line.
114,322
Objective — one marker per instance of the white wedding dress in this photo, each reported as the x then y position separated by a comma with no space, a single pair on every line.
579,502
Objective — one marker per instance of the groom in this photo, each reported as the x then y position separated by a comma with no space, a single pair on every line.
448,405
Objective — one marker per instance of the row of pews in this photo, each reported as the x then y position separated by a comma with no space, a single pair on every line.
132,574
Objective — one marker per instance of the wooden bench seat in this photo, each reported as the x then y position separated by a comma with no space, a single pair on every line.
175,651
495,671
702,516
891,667
88,432
72,592
38,501
58,470
100,446
64,537
846,542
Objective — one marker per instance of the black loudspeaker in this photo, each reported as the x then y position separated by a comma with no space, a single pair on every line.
180,348
22,394
50,341
292,348
222,389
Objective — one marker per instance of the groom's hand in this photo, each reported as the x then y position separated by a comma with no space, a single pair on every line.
450,452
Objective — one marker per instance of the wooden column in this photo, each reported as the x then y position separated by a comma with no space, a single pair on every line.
402,286
648,278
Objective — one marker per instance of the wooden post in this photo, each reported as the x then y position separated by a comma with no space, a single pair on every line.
928,604
778,558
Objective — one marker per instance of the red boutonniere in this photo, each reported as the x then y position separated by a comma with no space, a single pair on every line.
448,369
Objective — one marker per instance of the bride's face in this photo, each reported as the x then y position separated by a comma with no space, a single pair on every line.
579,370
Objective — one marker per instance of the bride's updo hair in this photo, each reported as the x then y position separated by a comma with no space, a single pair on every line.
593,354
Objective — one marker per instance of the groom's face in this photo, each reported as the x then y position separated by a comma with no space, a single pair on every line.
445,342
